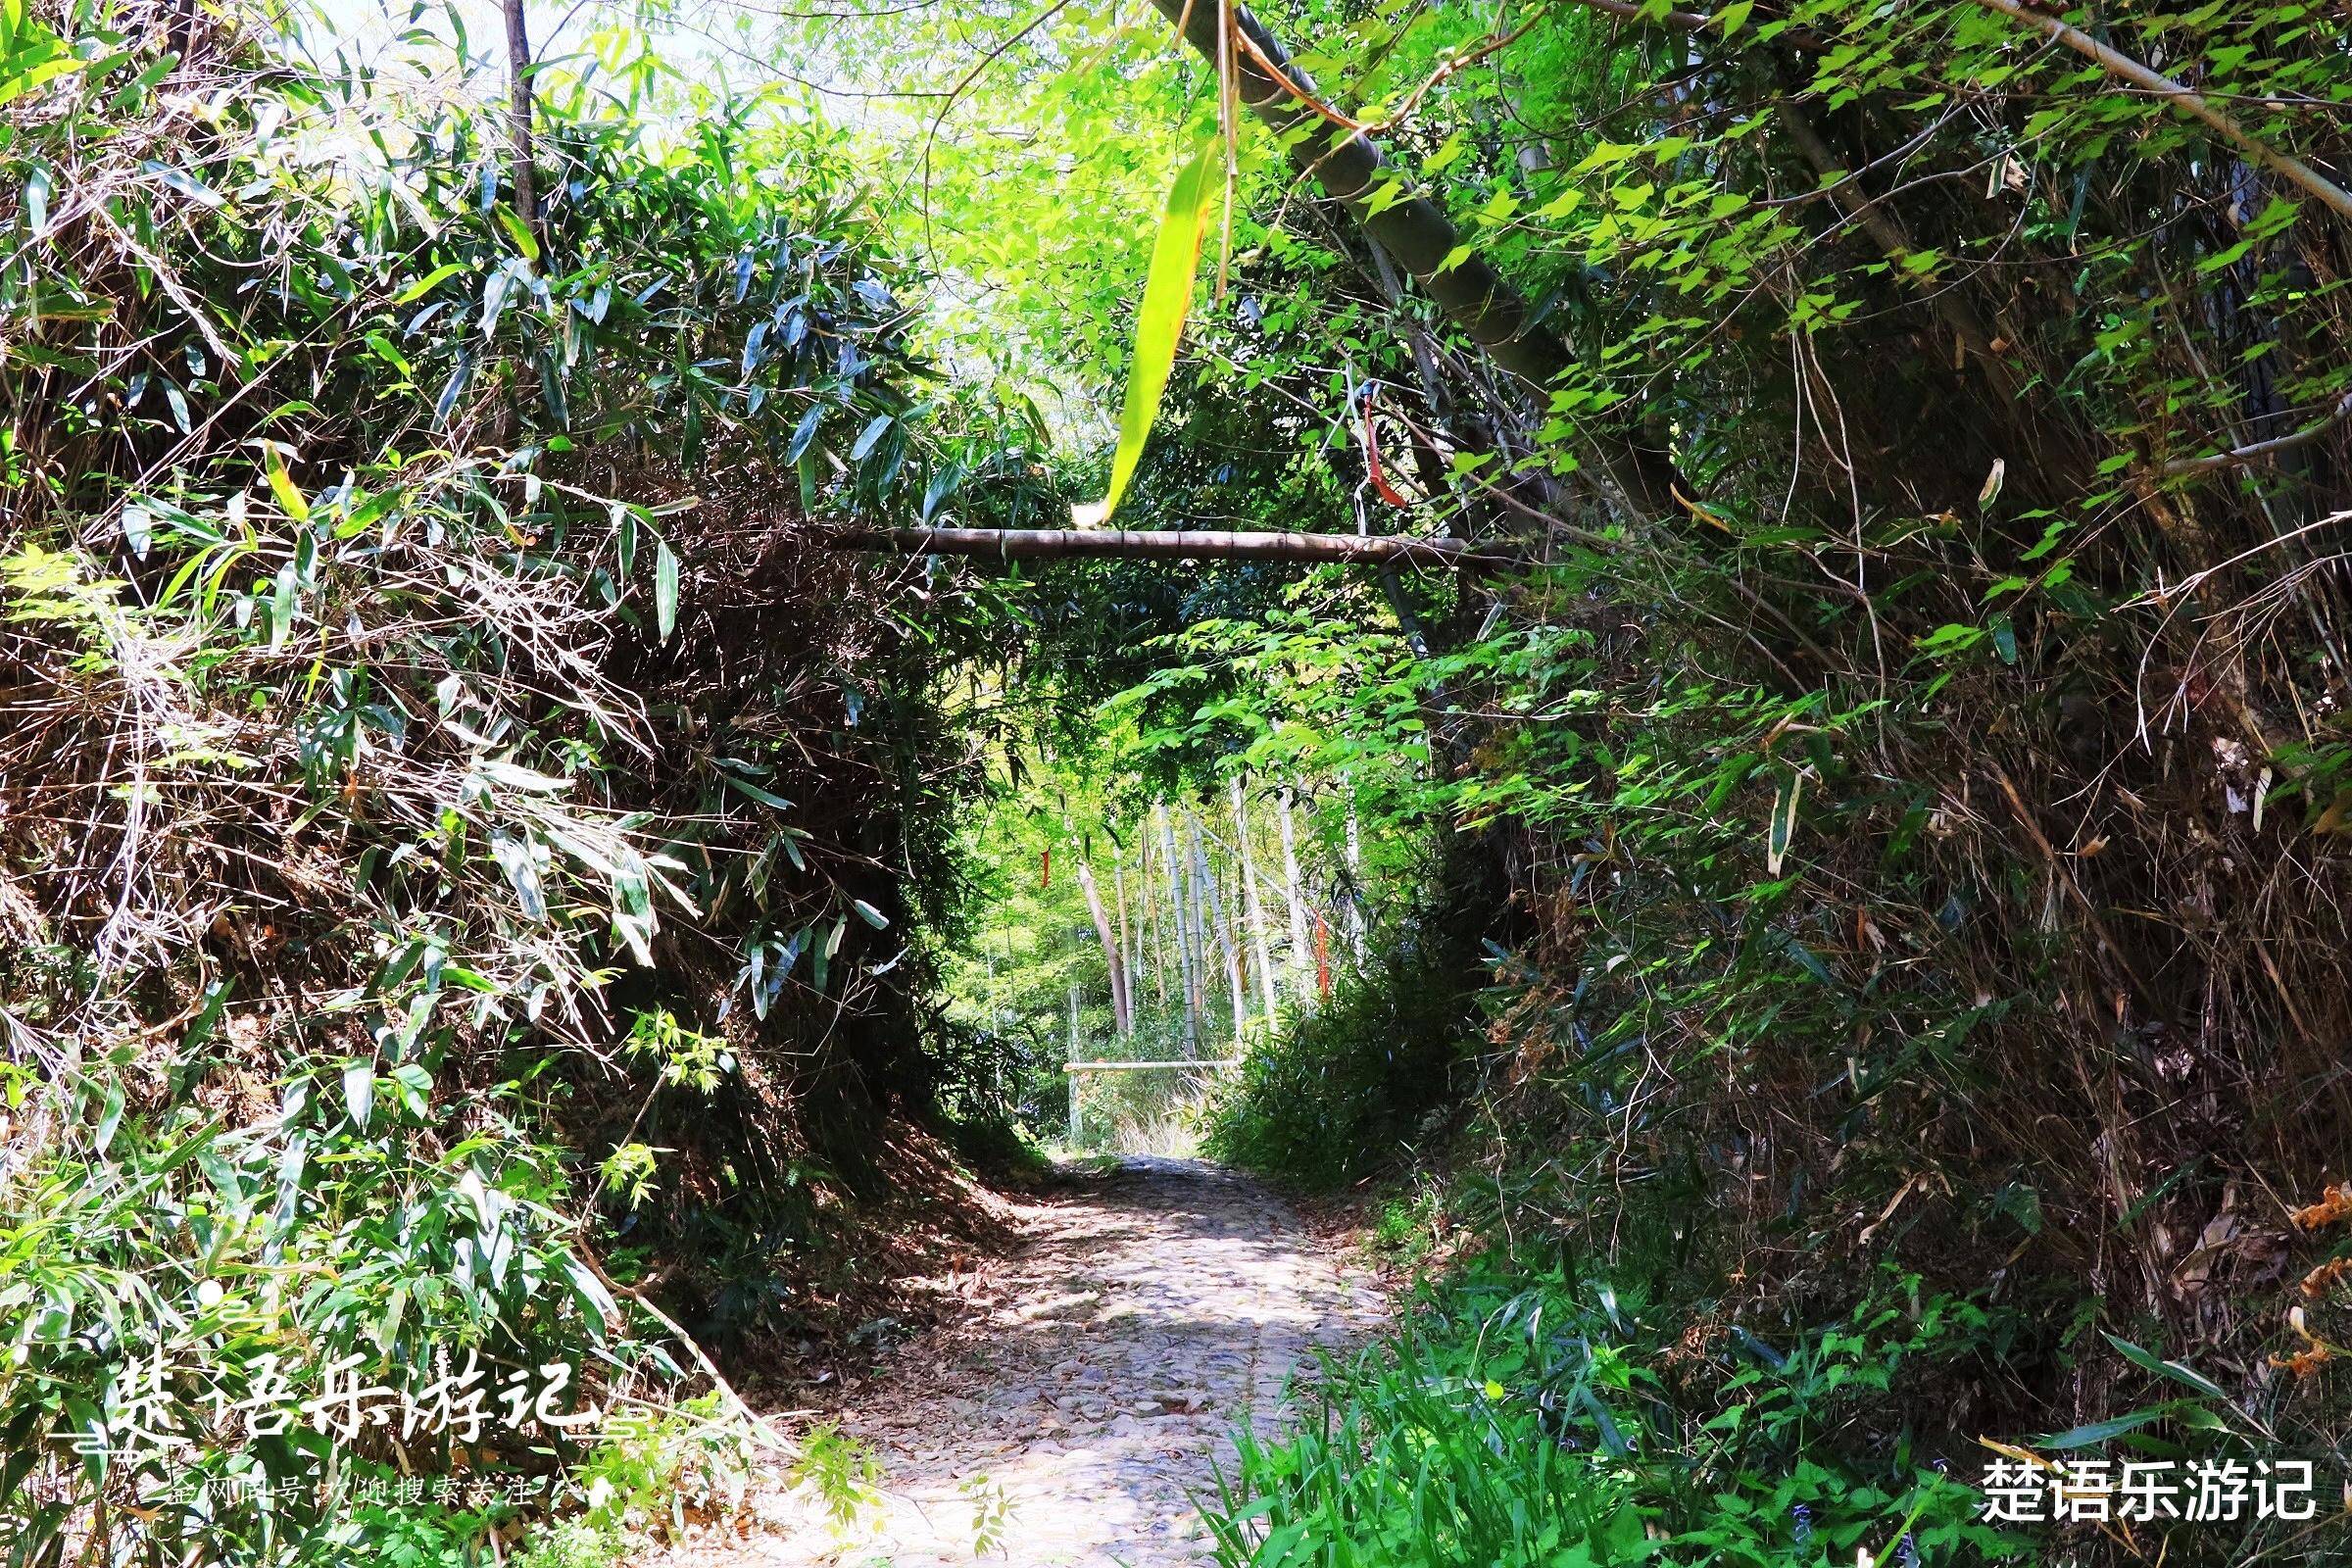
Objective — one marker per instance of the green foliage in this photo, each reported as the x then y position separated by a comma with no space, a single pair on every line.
430,1536
648,1476
1354,1087
163,1269
1850,786
370,554
1547,1423
573,1544
1915,826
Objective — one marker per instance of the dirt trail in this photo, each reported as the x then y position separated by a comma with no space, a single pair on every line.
1096,1381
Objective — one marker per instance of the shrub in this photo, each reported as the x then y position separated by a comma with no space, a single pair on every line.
1346,1089
1517,1423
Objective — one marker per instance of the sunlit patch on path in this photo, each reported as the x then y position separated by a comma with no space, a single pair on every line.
1089,1396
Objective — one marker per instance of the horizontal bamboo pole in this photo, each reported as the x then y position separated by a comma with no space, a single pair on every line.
1173,543
1129,1066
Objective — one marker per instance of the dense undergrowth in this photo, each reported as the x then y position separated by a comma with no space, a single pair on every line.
1557,1421
461,849
1911,785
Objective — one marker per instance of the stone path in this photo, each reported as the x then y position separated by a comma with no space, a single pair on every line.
1096,1383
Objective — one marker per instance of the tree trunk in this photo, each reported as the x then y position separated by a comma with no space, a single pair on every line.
1113,955
1255,905
1301,957
518,115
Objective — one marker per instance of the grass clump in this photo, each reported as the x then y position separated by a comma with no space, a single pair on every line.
1547,1423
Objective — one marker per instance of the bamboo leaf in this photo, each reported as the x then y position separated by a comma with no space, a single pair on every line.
2178,1373
520,234
180,180
2094,1434
745,787
429,283
868,436
624,543
1167,296
281,485
359,1092
665,589
803,434
1993,483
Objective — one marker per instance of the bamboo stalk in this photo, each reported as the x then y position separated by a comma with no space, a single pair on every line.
1186,974
1172,543
1301,954
1129,955
1077,1125
1253,903
1416,232
2123,65
1213,917
518,117
1152,923
1355,874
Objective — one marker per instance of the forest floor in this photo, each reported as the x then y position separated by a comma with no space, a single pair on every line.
1072,1415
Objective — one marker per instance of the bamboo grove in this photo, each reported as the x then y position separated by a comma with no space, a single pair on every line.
1716,638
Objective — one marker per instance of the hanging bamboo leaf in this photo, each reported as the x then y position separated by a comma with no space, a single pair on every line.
1160,327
